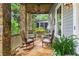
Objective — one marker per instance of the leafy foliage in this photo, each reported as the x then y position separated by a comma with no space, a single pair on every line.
38,17
42,16
65,45
59,24
33,25
40,30
15,18
15,29
15,7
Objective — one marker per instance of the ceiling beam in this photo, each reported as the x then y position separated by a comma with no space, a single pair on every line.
38,8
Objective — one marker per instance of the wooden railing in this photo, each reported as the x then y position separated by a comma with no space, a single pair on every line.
16,41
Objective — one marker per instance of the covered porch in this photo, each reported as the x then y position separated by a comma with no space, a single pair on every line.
15,42
60,22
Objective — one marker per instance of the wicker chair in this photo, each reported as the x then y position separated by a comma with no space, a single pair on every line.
31,34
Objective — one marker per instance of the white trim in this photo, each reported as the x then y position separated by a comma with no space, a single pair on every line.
74,19
75,23
58,6
56,22
56,27
62,19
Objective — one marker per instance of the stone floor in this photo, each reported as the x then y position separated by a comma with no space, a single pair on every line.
37,50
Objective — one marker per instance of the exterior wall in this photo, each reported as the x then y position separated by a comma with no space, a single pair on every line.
1,29
72,22
77,19
77,24
52,17
67,21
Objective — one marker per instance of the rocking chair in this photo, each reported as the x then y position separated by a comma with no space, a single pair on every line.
28,41
48,39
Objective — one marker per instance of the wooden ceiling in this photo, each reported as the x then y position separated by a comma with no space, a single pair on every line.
38,8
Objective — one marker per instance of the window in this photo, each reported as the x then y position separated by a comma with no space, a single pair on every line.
46,24
59,21
42,24
37,25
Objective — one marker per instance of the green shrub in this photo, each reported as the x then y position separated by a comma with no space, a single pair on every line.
40,30
65,45
15,29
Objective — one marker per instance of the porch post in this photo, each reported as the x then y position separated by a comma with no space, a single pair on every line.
1,29
29,21
74,19
5,29
23,18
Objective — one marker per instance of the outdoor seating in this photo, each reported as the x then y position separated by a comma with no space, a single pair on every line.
28,41
47,39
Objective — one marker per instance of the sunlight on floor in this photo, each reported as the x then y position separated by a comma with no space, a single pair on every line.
38,50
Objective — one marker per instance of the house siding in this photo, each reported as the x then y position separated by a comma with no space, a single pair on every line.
77,19
67,21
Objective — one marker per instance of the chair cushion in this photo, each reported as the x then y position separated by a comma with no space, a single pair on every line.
46,40
31,35
29,40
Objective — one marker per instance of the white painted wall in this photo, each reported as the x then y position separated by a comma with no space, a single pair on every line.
76,8
52,17
77,19
71,22
56,19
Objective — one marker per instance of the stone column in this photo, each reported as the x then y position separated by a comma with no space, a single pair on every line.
5,29
23,18
1,28
29,22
